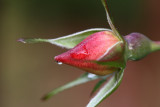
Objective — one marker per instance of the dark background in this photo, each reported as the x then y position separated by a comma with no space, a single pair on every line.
28,71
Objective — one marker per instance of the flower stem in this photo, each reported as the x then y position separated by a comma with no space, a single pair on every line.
155,46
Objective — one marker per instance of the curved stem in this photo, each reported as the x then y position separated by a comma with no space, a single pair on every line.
155,46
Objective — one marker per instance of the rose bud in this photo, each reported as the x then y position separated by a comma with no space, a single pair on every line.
99,51
139,46
99,47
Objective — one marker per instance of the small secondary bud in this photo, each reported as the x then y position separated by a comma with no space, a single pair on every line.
139,46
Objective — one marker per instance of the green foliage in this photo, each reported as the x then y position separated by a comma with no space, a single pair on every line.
97,86
68,41
107,89
86,77
110,21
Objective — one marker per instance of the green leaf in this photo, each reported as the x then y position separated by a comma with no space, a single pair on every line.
97,86
68,41
110,21
107,89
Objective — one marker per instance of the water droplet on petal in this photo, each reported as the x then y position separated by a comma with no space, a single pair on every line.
59,63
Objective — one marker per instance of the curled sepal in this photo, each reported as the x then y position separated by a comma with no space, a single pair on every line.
107,89
98,85
86,77
68,41
110,21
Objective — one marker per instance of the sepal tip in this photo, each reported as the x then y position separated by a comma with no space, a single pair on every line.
21,40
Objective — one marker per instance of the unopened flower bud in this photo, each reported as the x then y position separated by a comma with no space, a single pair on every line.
139,46
102,46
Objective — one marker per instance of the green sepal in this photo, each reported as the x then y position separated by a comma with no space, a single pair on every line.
86,77
115,50
107,89
98,85
68,41
110,21
113,64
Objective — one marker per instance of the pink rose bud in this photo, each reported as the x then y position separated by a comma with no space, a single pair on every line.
102,46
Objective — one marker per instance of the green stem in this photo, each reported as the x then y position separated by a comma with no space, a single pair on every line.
155,46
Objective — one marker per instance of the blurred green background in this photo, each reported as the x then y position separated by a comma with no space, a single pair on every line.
28,71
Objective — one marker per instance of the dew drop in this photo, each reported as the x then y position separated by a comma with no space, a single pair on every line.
59,63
